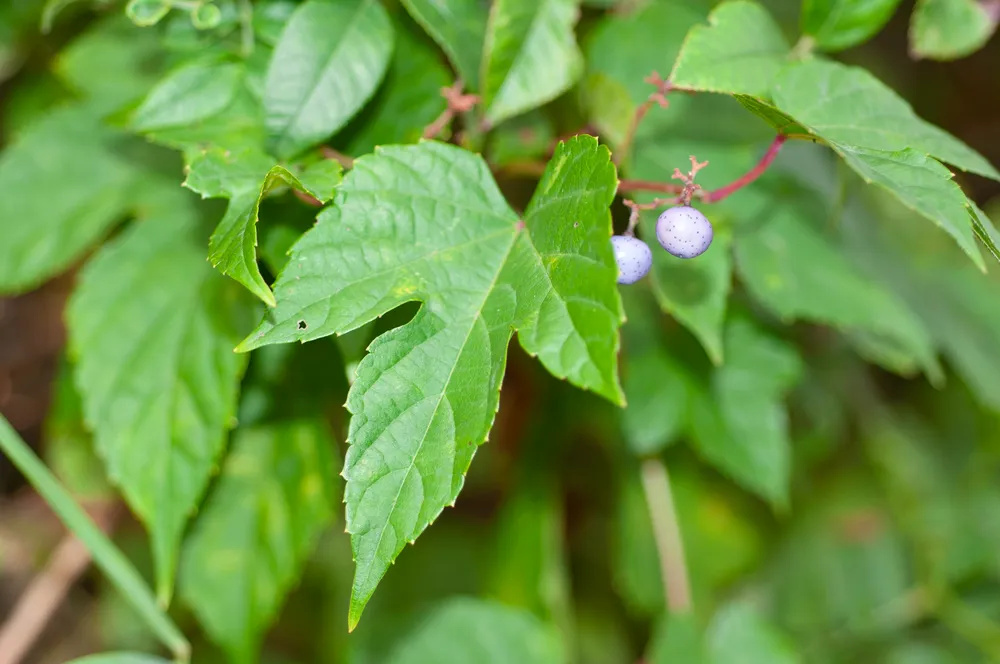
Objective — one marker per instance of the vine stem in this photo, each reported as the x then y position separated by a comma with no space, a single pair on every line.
457,101
715,195
667,533
119,570
751,175
659,97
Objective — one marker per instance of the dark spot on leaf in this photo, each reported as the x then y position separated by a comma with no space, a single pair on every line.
302,325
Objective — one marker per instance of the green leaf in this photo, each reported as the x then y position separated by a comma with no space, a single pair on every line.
740,425
841,563
636,573
188,95
58,202
246,178
51,11
608,104
656,390
695,291
950,29
120,658
739,634
152,329
273,498
327,64
619,46
740,50
427,223
464,630
145,13
530,569
835,25
921,184
530,56
239,126
459,28
410,98
848,105
678,638
782,122
269,19
798,273
112,63
526,138
985,230
69,447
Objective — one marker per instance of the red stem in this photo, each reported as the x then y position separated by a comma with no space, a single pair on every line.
751,175
718,194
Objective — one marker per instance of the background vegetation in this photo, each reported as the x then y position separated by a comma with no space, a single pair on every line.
815,401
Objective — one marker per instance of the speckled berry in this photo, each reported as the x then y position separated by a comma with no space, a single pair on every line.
633,257
684,231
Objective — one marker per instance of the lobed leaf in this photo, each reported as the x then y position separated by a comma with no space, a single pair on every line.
245,178
530,55
57,202
950,29
459,28
848,105
328,62
427,223
741,50
835,25
271,501
465,630
152,328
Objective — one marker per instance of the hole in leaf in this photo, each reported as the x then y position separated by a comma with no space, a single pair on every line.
302,325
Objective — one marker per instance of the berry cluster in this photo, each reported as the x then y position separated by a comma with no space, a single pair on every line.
683,231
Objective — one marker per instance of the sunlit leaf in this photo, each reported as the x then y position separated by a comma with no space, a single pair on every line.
740,50
459,28
838,24
530,56
427,223
329,60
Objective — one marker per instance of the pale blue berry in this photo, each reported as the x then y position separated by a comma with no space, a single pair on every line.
633,258
684,231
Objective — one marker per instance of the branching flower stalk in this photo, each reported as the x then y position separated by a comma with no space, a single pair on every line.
657,98
458,102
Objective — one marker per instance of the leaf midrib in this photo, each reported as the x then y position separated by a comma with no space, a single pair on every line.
476,315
